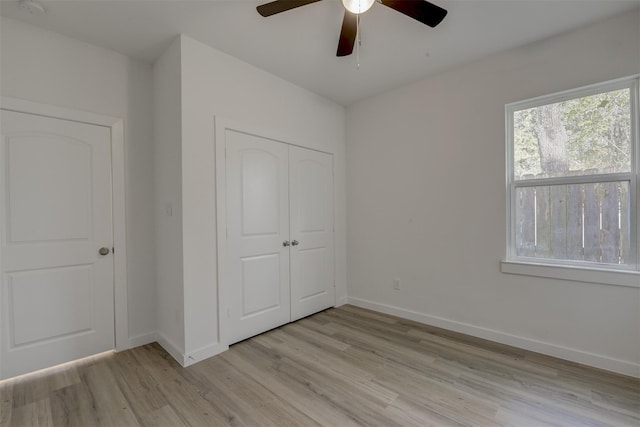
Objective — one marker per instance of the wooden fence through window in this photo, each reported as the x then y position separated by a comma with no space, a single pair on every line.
587,222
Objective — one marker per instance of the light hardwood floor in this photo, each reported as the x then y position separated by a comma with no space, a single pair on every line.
341,367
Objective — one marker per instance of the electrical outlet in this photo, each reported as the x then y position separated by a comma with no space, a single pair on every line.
396,284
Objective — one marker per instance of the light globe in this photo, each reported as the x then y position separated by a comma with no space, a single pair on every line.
357,6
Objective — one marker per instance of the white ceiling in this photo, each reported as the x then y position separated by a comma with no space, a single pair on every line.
300,45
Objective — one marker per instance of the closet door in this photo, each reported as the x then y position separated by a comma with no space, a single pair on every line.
311,194
258,225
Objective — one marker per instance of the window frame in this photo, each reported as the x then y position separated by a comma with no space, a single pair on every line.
575,269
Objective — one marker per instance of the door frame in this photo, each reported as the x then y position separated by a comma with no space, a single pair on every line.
221,125
116,126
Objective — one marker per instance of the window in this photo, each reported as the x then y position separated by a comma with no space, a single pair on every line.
572,175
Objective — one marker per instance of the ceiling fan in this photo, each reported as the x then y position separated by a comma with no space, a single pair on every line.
420,10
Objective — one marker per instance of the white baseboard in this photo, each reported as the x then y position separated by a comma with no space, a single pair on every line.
571,354
183,359
171,348
204,353
342,301
142,339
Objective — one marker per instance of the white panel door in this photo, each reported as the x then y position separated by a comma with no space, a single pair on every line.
56,296
257,226
311,216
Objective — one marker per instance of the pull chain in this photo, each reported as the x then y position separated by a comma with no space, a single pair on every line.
359,42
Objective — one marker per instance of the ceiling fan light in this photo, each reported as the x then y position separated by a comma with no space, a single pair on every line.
357,6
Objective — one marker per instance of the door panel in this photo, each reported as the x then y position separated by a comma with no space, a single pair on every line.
311,193
62,188
260,284
257,226
313,274
260,174
63,307
56,298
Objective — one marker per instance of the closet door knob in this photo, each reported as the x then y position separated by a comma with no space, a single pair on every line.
295,243
285,243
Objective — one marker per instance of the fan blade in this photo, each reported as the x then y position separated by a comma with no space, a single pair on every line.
420,10
278,6
347,34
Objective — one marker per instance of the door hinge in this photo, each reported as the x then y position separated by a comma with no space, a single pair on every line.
113,250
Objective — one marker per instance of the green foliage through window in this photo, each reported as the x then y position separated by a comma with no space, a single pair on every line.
592,135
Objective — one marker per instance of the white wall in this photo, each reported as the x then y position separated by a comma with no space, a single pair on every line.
168,199
216,84
426,203
41,66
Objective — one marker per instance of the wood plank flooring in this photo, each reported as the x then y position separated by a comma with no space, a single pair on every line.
342,367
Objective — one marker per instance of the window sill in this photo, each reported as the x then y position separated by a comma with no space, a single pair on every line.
628,278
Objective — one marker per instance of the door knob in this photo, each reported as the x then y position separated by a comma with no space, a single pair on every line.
295,243
285,243
104,251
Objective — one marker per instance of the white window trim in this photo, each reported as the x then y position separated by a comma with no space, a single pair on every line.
604,276
627,275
